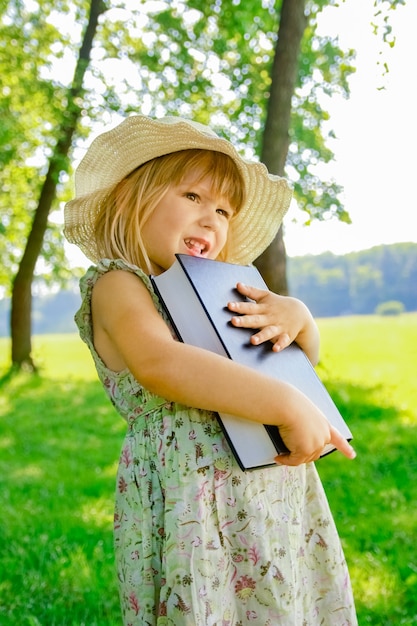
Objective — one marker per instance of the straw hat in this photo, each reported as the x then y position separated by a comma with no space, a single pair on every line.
138,139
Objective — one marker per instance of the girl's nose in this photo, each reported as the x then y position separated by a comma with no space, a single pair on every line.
209,218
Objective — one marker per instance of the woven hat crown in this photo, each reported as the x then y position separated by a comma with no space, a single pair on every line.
138,139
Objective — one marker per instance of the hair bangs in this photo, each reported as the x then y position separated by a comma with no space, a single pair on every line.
226,179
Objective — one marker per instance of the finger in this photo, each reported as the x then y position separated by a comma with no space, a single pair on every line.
288,459
298,458
337,440
268,333
295,459
248,321
281,342
244,308
341,443
251,292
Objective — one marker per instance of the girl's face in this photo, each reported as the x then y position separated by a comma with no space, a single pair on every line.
188,220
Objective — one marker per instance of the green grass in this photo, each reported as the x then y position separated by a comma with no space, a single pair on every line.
369,365
59,444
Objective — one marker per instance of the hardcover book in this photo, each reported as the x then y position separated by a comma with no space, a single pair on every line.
195,292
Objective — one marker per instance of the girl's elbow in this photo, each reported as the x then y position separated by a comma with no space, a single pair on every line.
156,377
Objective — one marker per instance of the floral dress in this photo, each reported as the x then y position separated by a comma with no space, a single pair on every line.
199,542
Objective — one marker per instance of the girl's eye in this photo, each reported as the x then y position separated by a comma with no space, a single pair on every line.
225,213
192,196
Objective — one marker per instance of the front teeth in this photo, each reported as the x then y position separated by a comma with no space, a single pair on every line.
192,243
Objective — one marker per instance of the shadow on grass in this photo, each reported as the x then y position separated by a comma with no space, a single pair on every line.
59,444
8,376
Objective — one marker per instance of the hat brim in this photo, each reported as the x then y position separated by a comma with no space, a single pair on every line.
139,139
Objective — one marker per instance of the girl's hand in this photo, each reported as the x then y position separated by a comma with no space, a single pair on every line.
305,456
279,319
306,431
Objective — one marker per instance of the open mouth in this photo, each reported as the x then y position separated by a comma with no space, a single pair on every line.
196,247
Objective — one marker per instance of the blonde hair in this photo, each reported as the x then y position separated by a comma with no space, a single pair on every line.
129,204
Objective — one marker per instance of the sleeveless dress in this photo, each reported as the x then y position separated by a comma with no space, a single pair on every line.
199,542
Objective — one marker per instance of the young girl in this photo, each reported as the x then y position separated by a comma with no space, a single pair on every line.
199,542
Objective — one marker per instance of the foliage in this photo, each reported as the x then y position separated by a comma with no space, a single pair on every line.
393,307
324,71
232,45
356,282
60,439
209,60
33,40
25,43
382,28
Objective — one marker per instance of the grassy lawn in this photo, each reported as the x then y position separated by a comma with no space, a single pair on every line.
369,365
59,444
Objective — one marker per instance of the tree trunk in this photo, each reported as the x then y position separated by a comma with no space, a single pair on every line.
272,263
21,304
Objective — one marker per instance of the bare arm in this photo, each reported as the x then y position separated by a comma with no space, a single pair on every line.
128,327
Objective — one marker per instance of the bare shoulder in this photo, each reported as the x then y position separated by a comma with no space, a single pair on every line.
125,318
120,291
118,279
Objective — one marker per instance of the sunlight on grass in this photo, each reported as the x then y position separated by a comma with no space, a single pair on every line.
99,513
63,356
4,354
7,441
58,357
76,572
110,470
375,584
27,471
373,350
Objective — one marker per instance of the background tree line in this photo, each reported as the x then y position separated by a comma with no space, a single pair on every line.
331,285
356,283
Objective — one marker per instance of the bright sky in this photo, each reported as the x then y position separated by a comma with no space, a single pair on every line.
377,138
